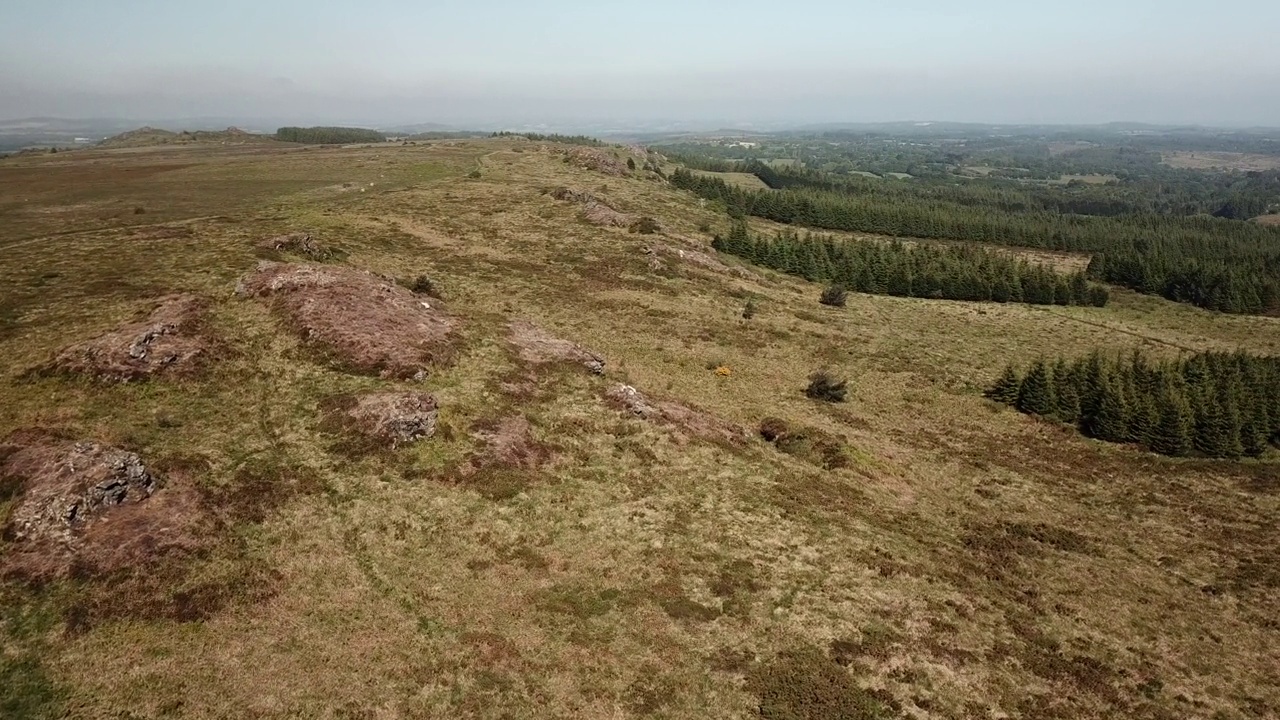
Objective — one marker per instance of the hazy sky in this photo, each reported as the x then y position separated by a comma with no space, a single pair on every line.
744,61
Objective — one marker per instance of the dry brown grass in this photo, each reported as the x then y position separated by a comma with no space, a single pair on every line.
509,442
965,562
746,181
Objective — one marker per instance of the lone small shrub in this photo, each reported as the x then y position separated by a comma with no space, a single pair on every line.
834,296
474,174
704,227
645,226
806,684
806,443
749,310
424,285
631,164
823,385
772,428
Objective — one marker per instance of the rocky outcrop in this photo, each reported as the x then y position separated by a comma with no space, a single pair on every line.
398,418
538,347
65,486
297,243
675,415
364,321
168,339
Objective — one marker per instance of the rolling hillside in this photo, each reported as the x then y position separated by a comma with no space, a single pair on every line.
443,430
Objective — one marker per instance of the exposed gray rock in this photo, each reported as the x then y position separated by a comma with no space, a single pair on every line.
537,346
66,485
399,418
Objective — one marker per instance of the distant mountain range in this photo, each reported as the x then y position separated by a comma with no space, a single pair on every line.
20,133
67,132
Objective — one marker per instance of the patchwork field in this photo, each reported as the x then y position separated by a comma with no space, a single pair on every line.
1205,160
742,180
539,539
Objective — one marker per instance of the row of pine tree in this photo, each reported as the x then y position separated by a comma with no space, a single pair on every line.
552,137
1216,405
926,270
329,135
1219,264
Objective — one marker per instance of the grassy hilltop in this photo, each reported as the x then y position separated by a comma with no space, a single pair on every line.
555,549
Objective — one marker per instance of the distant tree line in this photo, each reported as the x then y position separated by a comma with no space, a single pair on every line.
925,270
1212,404
1017,174
1171,192
1214,263
329,135
553,137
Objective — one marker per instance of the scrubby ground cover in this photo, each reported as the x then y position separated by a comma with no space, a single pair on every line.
548,550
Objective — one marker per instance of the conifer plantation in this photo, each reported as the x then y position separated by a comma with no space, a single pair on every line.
948,272
1214,405
1211,262
551,138
329,135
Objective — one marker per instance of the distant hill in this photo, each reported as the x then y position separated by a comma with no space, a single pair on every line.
417,128
149,136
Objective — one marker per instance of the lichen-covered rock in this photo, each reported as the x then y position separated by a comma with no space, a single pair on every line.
597,159
538,347
301,243
633,401
594,210
399,418
569,194
676,415
597,213
66,485
168,339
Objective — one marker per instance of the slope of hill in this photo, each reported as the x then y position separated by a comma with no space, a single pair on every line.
407,435
149,136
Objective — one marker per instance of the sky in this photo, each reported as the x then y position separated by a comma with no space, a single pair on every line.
739,63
